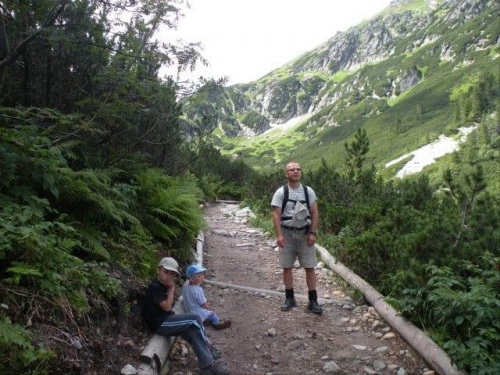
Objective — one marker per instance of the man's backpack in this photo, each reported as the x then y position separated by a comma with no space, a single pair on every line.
286,198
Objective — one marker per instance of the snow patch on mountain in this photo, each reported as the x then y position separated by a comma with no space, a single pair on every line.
289,124
428,154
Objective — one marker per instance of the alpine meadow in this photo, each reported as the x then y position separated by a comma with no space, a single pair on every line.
105,166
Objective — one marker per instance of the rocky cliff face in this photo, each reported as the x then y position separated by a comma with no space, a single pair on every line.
375,60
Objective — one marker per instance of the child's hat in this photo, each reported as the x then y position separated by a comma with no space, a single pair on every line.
192,269
169,264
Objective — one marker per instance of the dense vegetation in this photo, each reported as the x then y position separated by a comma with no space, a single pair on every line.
97,181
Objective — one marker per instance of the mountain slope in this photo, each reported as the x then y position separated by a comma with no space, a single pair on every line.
400,75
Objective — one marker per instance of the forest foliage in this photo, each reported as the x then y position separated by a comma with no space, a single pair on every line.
99,179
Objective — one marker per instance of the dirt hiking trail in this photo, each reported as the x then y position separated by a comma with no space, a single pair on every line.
348,338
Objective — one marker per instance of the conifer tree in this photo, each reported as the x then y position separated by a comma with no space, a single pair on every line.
465,108
356,154
477,104
458,113
465,193
484,138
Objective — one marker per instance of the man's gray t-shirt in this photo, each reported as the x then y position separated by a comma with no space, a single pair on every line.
293,195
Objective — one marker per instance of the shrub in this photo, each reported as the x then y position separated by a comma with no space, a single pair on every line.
169,209
17,353
463,307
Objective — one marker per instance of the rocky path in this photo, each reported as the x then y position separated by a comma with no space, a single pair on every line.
349,338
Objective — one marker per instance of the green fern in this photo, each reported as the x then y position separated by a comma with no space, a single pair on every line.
159,229
171,208
17,352
12,334
92,238
21,270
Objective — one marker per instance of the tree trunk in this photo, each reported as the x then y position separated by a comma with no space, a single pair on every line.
26,79
48,77
4,50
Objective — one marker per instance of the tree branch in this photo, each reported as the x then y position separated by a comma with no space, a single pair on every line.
48,22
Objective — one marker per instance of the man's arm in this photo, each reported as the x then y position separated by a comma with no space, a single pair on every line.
277,226
313,210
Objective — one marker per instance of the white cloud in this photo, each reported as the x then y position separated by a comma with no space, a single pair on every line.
246,39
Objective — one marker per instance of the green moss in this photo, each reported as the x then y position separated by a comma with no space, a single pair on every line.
340,75
463,87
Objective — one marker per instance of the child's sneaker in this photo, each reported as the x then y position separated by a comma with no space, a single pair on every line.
215,369
223,324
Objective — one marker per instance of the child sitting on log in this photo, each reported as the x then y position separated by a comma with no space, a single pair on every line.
161,319
194,299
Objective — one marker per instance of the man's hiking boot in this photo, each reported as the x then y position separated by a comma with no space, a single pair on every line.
223,324
289,303
314,307
216,353
215,369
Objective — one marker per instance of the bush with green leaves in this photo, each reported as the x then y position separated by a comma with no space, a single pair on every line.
17,351
62,229
461,309
169,209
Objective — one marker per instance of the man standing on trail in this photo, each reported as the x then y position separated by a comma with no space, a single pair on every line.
295,219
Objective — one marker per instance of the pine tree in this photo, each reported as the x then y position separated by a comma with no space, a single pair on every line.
484,138
465,193
477,105
465,108
458,117
356,154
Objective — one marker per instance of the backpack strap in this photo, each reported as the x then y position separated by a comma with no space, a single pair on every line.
285,199
286,194
306,194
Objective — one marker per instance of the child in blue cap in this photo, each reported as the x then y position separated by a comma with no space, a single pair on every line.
194,299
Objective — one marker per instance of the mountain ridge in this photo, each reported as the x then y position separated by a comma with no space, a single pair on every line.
374,69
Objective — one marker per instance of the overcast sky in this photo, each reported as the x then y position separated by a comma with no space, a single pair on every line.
246,39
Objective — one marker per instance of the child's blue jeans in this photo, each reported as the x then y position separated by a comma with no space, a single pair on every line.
213,318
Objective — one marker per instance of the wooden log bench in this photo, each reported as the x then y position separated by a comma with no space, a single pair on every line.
154,357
